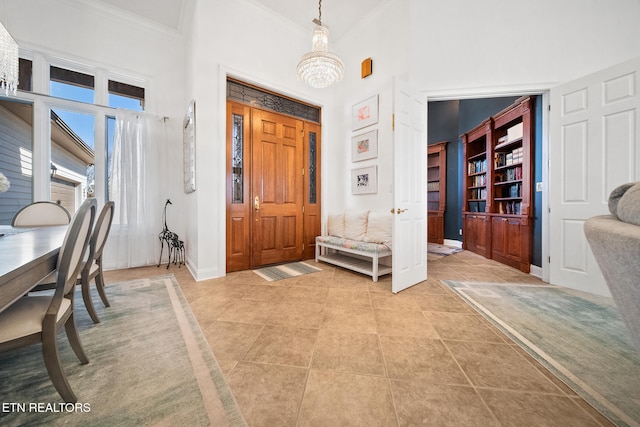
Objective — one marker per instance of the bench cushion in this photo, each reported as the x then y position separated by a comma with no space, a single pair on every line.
358,245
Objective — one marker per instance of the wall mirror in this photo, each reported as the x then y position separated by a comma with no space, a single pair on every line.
189,147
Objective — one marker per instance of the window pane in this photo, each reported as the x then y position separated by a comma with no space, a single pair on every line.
111,127
312,167
16,160
71,85
126,96
25,74
237,159
72,158
118,101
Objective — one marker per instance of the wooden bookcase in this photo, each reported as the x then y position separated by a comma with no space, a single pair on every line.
477,188
497,212
436,191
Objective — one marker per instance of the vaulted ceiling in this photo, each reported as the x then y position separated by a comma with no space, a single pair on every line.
339,15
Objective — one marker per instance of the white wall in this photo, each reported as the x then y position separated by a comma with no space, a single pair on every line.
444,48
91,38
249,42
388,50
463,47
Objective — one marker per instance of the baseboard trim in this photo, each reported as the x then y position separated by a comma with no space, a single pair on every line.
453,243
534,270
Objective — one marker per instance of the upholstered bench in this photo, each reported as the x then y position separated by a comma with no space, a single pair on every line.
359,242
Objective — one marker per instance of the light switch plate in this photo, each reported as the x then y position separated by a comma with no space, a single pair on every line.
538,187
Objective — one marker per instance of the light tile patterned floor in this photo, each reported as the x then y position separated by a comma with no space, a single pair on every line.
335,349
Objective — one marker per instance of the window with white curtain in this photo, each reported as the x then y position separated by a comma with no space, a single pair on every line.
76,147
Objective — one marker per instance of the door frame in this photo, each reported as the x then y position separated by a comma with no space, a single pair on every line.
311,212
517,91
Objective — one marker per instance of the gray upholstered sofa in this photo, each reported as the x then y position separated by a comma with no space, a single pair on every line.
615,242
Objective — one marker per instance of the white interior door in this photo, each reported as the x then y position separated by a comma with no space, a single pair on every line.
410,187
595,132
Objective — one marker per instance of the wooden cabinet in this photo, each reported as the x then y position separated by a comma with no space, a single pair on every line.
476,232
436,191
510,241
498,182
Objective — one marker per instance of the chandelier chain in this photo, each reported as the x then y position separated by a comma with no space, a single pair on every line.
320,11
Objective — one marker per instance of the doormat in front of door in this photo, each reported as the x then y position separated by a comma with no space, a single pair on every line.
284,271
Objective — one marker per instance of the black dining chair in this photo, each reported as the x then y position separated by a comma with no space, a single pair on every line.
38,318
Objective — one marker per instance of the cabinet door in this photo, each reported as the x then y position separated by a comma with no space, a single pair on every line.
435,227
510,241
475,234
498,238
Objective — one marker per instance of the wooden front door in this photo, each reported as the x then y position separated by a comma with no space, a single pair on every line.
273,187
276,187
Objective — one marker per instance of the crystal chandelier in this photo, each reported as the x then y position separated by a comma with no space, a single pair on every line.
8,62
320,68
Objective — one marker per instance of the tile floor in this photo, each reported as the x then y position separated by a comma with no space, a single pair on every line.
335,349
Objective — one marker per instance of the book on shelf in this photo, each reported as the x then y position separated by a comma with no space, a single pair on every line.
433,186
479,180
477,166
477,193
510,207
477,206
509,158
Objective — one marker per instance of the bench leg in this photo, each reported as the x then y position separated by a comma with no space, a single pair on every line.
375,267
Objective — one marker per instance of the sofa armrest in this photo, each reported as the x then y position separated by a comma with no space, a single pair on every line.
616,247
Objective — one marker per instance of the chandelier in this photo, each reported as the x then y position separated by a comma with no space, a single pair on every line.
8,62
320,68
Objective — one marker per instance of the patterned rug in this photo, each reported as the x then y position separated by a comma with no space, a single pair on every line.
149,364
580,337
437,249
284,271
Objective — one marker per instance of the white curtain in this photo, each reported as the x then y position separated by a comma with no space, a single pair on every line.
136,181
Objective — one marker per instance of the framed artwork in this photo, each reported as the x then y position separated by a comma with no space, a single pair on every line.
364,146
364,180
189,148
364,113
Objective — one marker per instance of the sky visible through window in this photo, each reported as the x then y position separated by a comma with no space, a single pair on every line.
83,124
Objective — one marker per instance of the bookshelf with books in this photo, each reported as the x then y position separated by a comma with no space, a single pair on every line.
436,191
505,187
477,189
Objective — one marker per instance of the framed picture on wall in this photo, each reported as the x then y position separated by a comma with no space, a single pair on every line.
364,146
189,148
364,180
364,113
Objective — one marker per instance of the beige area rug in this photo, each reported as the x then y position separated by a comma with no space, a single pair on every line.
149,364
578,336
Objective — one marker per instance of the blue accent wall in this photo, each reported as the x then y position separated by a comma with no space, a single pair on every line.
448,120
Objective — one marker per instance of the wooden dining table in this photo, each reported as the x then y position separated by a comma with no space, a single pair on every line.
25,259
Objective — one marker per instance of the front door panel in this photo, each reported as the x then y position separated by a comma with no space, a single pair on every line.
277,188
